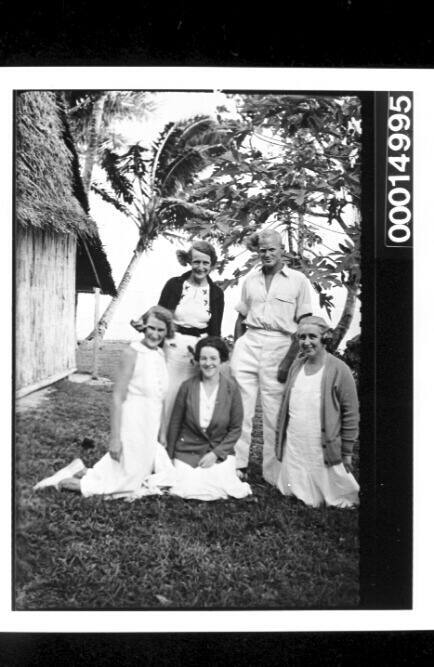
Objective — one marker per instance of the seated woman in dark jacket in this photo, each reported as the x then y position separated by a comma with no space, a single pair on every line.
204,427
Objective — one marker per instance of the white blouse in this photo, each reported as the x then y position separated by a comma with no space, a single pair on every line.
193,309
206,406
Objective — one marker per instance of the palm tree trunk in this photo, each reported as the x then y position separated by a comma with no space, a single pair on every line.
92,143
107,315
346,317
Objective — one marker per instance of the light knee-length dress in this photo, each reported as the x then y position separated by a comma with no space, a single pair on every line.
140,423
303,472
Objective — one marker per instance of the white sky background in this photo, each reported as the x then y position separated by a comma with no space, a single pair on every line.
421,617
119,237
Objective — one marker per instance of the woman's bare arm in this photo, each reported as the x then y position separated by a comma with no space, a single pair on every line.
120,389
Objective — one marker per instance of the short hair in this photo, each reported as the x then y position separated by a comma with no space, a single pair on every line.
270,234
315,320
185,256
161,314
255,239
212,341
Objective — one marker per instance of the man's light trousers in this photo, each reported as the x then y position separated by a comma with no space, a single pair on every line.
254,364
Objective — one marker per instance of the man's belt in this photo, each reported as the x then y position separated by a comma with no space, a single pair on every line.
268,328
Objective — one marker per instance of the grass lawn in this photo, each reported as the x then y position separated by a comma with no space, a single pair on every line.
267,551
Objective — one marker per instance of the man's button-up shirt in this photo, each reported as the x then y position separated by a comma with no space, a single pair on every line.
287,299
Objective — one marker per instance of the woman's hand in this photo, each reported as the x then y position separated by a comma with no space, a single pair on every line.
207,460
115,449
346,460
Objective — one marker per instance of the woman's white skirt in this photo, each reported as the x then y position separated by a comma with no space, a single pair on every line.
139,428
219,481
332,485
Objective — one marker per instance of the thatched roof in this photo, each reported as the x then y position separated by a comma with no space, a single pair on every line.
94,271
49,190
45,185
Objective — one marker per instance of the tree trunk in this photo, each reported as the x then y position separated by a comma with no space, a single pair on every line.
107,315
290,232
346,317
93,140
300,235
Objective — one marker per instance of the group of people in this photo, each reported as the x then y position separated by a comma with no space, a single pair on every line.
181,418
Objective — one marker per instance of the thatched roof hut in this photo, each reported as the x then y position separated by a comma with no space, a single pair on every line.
49,190
58,249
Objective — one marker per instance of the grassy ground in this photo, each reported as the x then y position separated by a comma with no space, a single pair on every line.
162,552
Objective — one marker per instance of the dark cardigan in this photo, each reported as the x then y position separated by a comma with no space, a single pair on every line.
186,440
171,296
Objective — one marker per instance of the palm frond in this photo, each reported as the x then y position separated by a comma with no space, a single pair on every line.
128,104
121,185
209,132
174,141
184,168
181,171
196,127
174,212
160,152
118,105
187,150
109,199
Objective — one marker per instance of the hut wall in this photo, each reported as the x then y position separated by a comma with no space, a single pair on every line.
45,306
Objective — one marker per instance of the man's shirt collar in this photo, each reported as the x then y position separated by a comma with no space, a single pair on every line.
285,270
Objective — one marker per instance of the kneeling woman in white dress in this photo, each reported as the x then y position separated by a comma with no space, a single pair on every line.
205,425
318,424
136,418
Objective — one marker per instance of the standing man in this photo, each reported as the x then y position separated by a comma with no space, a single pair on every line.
273,300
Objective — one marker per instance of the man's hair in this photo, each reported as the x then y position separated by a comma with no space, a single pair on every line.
270,234
256,238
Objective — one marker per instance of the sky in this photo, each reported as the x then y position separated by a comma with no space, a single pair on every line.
119,237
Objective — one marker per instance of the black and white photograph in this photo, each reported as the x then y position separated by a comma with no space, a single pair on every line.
208,283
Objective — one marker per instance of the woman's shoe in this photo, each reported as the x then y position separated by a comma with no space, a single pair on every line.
68,471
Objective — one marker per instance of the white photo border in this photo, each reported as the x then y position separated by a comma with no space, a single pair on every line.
421,82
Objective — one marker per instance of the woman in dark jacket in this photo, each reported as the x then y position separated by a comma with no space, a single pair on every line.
204,427
202,258
197,304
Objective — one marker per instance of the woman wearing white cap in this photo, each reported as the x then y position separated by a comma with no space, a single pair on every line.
318,424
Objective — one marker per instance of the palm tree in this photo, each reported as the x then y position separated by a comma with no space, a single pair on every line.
91,116
149,185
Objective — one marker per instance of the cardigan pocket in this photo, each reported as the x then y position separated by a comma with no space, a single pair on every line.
332,453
